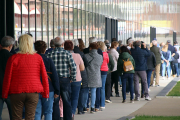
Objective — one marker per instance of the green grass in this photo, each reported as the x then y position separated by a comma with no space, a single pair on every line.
157,118
175,91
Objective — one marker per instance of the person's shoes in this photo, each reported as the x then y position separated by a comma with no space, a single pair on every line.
96,109
127,93
92,110
137,99
157,85
117,95
120,85
149,90
142,95
123,101
85,109
147,98
131,101
61,118
174,75
108,101
102,107
81,112
168,78
163,78
72,116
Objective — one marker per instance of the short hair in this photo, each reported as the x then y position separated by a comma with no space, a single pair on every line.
120,42
26,44
113,39
175,42
124,49
68,45
92,40
52,43
114,43
101,45
81,44
168,41
30,34
154,42
58,41
40,46
137,43
130,41
106,41
75,42
93,46
7,41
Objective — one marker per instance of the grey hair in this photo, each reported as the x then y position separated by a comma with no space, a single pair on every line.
75,42
7,41
137,43
148,46
92,40
154,42
130,41
58,41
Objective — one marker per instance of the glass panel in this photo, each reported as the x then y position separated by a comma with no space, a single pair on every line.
24,16
87,29
32,17
79,23
45,27
17,18
56,20
75,23
50,12
61,21
66,21
83,25
71,23
83,4
38,20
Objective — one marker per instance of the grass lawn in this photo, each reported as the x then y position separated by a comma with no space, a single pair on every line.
175,91
157,118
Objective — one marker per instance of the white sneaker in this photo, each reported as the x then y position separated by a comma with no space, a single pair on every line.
149,90
102,108
168,78
108,101
137,99
157,85
147,98
163,78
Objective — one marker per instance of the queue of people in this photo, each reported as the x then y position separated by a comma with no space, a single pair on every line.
53,83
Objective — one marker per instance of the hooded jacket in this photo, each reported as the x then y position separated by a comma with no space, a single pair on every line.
120,63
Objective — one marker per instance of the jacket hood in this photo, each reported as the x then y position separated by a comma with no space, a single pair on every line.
124,55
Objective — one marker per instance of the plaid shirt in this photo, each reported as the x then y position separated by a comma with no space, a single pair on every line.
63,62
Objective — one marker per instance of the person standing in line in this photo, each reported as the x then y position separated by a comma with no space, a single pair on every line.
64,63
179,60
114,75
157,52
176,45
140,55
125,54
175,57
51,45
22,79
45,106
93,72
7,44
104,70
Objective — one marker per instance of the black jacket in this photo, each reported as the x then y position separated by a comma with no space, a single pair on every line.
4,55
171,48
151,61
175,58
83,73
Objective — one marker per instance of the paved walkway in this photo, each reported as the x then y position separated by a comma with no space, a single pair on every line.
117,109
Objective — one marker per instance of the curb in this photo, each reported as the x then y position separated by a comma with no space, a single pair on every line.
126,118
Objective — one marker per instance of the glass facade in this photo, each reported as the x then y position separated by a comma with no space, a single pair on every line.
73,19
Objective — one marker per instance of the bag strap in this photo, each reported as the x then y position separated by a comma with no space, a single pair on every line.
48,75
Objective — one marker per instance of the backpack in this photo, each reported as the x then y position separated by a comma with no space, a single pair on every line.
128,66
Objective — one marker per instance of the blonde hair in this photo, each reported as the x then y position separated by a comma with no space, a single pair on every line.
101,45
26,44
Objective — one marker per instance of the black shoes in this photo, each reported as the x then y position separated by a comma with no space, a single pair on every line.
142,95
85,109
92,110
117,95
81,112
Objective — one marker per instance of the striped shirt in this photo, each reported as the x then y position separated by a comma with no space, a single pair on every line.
64,63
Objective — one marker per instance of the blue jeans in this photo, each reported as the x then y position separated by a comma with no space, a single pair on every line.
176,68
65,92
8,103
98,97
83,97
164,67
75,88
103,77
127,77
179,67
93,96
46,106
149,72
120,82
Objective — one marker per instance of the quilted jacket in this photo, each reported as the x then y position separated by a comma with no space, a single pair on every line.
23,75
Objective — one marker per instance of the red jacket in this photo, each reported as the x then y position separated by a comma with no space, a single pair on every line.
104,66
23,75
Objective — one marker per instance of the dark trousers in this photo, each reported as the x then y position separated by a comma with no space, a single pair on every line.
18,101
114,80
98,97
127,77
65,92
83,97
8,103
56,110
173,68
108,86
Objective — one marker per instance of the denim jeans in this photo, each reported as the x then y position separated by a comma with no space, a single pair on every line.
8,103
164,66
103,77
93,96
75,88
65,92
83,97
127,77
46,106
149,72
98,97
176,68
120,82
179,67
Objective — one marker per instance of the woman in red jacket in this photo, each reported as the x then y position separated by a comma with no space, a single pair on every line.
104,70
25,77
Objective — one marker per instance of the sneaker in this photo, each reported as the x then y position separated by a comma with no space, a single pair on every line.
123,101
157,86
174,75
131,101
96,109
117,95
149,90
108,101
142,96
163,78
137,99
81,112
85,109
92,110
102,107
147,98
168,78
